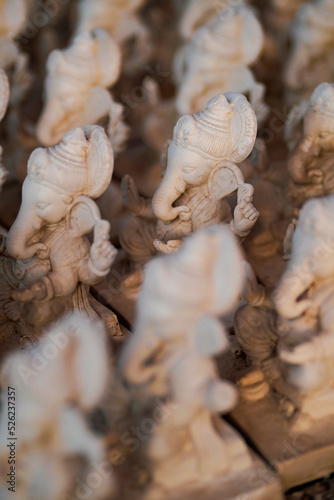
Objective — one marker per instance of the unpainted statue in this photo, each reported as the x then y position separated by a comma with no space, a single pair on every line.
310,135
53,396
200,175
311,60
121,20
76,85
288,335
49,263
217,60
169,358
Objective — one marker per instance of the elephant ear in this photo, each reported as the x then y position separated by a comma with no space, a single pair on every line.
4,93
243,126
100,161
83,216
225,180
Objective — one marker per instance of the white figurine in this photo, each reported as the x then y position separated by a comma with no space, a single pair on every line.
120,19
201,173
50,389
311,59
217,60
76,85
310,136
55,263
169,359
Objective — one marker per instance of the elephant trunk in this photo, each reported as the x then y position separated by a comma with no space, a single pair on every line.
290,289
24,228
170,189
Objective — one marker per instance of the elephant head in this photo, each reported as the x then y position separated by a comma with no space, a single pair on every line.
312,257
76,85
81,164
317,131
225,130
204,277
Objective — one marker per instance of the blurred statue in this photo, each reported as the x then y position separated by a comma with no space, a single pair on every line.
216,60
312,57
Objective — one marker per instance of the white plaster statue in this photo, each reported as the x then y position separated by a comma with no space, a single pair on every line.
176,333
304,299
52,395
121,20
311,60
201,173
310,136
217,60
288,335
49,263
76,85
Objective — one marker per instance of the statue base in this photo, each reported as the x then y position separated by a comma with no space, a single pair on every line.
299,448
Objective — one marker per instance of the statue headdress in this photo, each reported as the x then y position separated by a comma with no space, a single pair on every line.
82,163
225,130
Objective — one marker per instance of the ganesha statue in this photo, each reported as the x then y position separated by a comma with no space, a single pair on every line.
47,260
288,335
201,173
76,85
311,59
217,59
310,136
121,19
169,362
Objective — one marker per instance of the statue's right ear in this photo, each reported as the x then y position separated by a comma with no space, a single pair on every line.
224,180
83,216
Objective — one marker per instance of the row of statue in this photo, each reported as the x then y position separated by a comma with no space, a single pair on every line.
166,324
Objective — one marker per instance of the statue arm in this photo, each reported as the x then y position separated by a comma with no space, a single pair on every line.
133,201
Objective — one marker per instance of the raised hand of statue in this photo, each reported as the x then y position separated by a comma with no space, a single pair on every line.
169,247
245,215
102,252
131,197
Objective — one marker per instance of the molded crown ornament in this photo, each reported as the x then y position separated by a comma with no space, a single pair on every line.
225,129
75,165
76,85
229,34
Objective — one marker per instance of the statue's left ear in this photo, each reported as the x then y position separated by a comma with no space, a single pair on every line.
225,179
83,215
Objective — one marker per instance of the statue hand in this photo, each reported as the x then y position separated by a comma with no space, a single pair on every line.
169,247
315,176
131,198
12,310
102,252
301,354
245,215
